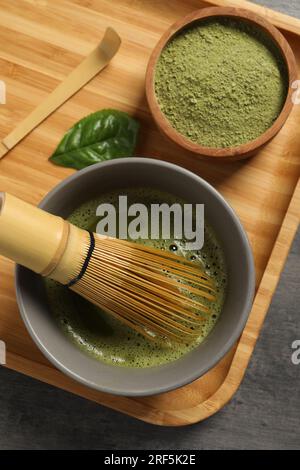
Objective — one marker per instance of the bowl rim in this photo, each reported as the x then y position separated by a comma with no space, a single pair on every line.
227,153
197,372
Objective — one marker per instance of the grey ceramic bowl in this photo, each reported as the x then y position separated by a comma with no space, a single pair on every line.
90,182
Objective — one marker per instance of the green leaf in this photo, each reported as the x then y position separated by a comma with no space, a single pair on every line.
98,137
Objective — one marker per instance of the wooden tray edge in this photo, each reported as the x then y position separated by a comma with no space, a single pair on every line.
241,358
47,373
256,319
278,19
261,303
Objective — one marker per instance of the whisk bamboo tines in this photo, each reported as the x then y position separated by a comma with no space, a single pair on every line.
155,292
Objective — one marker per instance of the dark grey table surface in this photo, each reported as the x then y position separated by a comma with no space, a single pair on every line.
264,413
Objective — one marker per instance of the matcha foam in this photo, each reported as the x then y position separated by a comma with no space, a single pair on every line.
105,338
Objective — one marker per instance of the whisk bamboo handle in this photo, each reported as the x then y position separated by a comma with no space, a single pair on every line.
31,236
42,242
127,280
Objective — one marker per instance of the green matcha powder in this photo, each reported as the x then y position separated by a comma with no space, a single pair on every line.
221,83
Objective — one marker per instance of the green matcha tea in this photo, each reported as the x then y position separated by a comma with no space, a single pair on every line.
221,83
104,337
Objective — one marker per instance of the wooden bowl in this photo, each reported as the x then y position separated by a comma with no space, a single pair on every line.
228,153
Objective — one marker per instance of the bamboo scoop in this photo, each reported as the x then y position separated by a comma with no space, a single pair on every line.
82,74
134,283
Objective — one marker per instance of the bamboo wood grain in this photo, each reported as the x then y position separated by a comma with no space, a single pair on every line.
39,48
43,234
87,69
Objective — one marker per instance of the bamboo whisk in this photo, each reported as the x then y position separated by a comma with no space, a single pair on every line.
152,291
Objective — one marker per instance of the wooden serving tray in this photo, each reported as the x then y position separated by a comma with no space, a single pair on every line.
40,42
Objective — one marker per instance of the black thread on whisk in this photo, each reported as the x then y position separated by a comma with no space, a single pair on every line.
86,261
